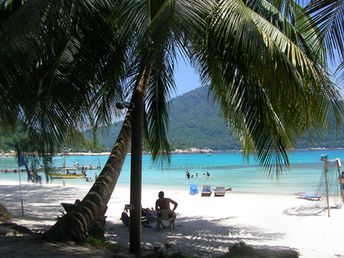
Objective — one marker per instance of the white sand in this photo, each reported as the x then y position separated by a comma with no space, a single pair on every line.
205,226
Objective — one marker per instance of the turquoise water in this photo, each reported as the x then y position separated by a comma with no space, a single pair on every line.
226,169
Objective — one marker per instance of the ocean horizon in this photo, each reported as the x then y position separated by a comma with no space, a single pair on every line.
228,169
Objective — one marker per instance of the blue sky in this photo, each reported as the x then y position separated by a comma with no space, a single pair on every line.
186,78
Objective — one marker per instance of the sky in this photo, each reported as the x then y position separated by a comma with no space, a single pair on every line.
186,78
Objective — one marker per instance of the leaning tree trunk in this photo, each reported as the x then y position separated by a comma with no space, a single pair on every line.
80,217
76,223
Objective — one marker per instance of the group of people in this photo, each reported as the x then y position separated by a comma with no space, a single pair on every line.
188,176
162,206
88,178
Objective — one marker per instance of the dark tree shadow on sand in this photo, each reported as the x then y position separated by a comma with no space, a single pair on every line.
39,203
193,236
207,238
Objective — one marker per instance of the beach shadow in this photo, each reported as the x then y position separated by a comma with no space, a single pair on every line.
32,246
41,205
194,236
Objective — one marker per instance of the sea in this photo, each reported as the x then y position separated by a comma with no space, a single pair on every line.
228,169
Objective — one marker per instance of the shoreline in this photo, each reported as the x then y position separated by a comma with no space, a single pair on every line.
176,151
205,226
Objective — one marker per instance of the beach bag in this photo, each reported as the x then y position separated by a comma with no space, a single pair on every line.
125,219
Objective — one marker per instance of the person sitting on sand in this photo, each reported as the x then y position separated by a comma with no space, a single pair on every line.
163,204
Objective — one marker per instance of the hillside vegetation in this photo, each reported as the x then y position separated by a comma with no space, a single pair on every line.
195,121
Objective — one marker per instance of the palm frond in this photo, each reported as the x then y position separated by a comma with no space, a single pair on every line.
57,61
328,16
293,26
253,67
161,83
340,73
155,46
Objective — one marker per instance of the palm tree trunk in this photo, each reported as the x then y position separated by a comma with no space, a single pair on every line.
80,217
77,222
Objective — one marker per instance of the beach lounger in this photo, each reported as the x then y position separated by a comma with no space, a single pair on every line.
193,189
206,191
219,191
310,197
147,215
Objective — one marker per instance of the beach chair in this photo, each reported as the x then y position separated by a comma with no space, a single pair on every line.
193,189
219,191
310,196
167,216
206,191
150,214
147,215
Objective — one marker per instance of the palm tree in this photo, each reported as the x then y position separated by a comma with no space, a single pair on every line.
269,81
50,68
265,119
53,88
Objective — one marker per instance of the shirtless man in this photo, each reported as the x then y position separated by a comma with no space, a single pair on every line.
163,204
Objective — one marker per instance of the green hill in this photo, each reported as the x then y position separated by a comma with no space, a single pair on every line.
194,121
197,122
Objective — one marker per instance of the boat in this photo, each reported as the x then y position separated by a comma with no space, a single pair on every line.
72,171
66,176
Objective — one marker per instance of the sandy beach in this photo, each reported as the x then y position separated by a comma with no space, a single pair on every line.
205,226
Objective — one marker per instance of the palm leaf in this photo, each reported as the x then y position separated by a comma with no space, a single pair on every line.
328,16
57,62
253,67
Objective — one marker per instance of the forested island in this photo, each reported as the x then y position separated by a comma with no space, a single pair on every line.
194,122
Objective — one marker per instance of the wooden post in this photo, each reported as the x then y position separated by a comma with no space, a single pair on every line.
136,174
21,162
339,178
21,193
326,185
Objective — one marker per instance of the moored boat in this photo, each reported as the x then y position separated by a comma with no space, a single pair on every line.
66,175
